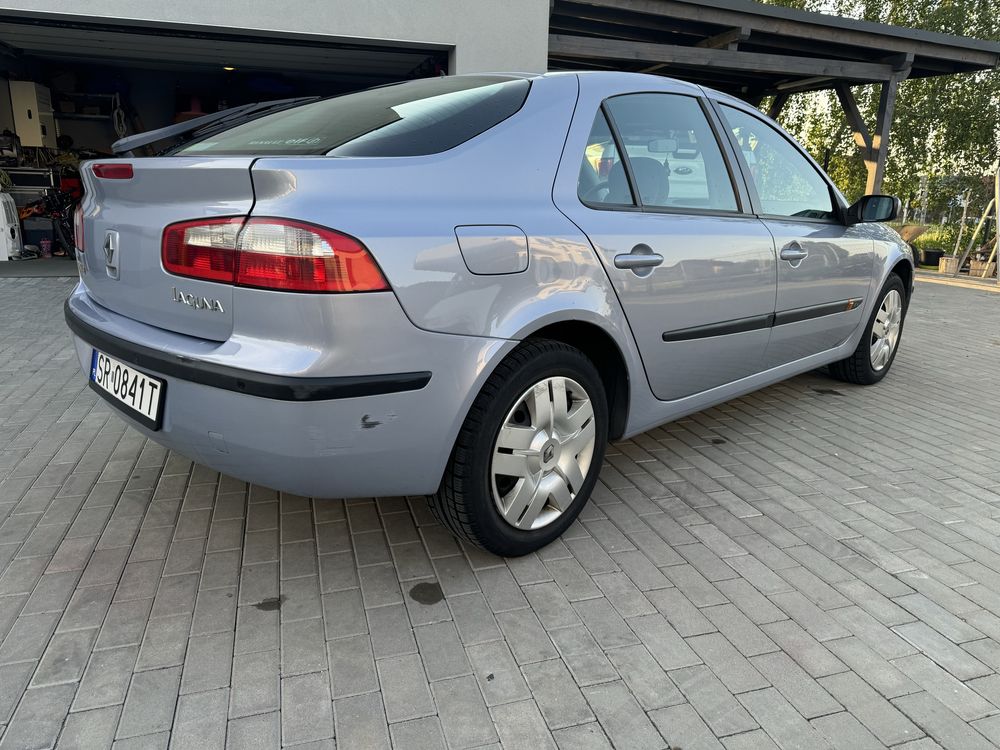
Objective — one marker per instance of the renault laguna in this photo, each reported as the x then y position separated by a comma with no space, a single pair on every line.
463,287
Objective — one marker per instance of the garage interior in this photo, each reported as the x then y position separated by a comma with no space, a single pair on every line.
71,89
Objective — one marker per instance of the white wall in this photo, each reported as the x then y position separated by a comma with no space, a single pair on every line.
485,35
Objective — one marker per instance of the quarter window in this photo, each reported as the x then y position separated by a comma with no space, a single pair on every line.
787,183
602,174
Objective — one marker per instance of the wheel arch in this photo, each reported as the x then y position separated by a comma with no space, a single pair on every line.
904,270
604,352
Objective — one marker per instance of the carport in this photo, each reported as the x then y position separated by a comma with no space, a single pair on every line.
756,51
166,72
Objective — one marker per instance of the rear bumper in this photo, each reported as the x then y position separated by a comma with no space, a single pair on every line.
347,435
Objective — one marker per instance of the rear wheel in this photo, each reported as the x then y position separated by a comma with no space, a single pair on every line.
528,455
877,348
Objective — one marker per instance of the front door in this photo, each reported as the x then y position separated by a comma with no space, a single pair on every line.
824,267
694,274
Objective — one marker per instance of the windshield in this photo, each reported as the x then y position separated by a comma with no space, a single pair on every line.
419,117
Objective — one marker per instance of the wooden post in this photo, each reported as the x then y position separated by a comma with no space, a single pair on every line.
880,139
961,226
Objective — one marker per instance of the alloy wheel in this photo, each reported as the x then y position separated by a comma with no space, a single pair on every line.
885,330
543,453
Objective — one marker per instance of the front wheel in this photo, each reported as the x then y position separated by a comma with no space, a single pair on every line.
878,346
528,455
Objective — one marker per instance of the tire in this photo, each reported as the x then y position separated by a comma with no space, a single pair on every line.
859,367
472,492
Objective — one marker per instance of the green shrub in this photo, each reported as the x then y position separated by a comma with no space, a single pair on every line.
939,237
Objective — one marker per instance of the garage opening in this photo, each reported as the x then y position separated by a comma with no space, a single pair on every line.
69,89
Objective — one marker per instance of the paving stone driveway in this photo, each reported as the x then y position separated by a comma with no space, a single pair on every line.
813,566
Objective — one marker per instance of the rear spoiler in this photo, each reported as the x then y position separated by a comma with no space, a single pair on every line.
201,125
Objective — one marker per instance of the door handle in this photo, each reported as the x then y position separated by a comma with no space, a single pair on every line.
641,261
793,253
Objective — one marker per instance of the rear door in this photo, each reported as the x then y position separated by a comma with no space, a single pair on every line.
124,218
824,267
651,188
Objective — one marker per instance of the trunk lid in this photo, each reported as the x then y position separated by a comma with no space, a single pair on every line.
130,214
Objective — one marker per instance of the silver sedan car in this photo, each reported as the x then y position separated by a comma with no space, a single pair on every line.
463,287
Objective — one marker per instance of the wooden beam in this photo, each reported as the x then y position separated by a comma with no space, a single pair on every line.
698,57
849,104
727,39
848,33
777,104
880,139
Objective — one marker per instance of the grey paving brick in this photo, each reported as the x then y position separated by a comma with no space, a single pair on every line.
258,732
681,726
525,635
845,732
149,705
27,637
663,642
743,634
872,668
418,734
39,717
713,702
499,677
621,717
588,736
106,679
89,729
943,651
955,695
644,677
302,647
404,686
164,642
208,663
735,671
344,614
782,722
797,687
391,633
13,680
256,680
442,651
306,708
65,658
352,666
521,725
476,623
464,717
583,656
870,708
941,724
200,723
557,695
807,652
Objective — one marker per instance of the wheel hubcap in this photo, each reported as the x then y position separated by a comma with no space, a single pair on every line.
543,452
885,330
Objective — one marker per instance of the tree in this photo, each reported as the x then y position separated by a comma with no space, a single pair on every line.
945,127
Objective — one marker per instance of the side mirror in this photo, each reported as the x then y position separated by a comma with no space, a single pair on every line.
871,208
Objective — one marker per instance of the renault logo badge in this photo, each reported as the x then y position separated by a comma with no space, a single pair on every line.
111,253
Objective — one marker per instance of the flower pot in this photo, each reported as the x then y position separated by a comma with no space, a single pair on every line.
947,264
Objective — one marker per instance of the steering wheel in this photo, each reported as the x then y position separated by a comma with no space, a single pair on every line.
591,195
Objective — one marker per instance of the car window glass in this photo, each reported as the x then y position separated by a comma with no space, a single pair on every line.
787,184
673,153
602,175
424,116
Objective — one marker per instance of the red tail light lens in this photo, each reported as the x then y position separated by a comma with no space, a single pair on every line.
291,255
78,235
204,249
268,253
120,171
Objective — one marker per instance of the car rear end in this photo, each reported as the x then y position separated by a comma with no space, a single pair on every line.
268,345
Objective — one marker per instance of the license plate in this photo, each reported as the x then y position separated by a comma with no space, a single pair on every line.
137,394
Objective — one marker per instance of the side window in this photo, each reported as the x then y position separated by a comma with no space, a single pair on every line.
602,175
787,184
672,151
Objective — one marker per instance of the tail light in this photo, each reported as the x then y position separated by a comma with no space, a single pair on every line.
116,171
269,253
78,236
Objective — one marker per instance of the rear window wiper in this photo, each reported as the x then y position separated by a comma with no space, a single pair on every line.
205,125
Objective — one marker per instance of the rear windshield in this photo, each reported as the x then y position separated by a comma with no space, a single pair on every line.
425,116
